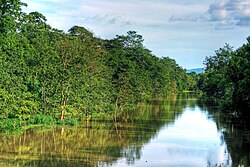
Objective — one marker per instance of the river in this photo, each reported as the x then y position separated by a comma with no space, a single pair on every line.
178,131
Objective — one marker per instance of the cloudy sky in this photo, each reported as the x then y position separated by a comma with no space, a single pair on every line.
185,30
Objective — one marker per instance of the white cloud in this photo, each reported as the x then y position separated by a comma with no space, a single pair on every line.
223,14
111,19
230,12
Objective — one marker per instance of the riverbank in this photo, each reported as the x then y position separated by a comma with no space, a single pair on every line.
176,131
15,126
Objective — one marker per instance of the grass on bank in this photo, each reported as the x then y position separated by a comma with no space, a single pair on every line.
15,125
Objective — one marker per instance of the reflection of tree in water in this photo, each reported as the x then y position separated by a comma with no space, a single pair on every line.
97,144
237,138
236,134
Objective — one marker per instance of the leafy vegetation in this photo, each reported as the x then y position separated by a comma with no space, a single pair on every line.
227,78
47,75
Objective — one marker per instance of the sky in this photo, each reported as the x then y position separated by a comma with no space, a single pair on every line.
185,30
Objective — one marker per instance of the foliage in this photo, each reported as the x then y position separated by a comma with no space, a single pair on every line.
227,78
47,75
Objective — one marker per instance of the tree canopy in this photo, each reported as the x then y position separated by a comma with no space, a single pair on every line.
47,72
227,78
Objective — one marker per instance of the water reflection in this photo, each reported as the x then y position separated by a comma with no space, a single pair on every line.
193,140
236,135
172,132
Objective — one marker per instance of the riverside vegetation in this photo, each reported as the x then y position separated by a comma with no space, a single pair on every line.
51,77
227,80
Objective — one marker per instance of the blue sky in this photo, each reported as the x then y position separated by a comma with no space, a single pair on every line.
185,30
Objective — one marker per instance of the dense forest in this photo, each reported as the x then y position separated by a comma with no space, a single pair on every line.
227,79
48,76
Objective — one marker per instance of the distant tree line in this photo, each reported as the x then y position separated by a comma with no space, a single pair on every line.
46,74
227,78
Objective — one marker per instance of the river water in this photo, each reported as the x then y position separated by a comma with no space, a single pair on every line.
178,131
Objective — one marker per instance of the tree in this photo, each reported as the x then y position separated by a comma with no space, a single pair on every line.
216,72
10,14
226,77
80,31
46,73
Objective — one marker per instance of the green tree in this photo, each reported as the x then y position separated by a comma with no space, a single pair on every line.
48,74
10,15
226,77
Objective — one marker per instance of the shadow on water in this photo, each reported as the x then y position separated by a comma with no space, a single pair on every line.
127,142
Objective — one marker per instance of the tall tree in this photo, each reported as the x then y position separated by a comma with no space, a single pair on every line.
10,15
226,77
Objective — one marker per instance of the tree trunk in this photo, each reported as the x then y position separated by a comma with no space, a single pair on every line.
63,109
64,100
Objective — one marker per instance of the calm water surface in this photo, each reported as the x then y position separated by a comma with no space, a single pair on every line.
179,131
